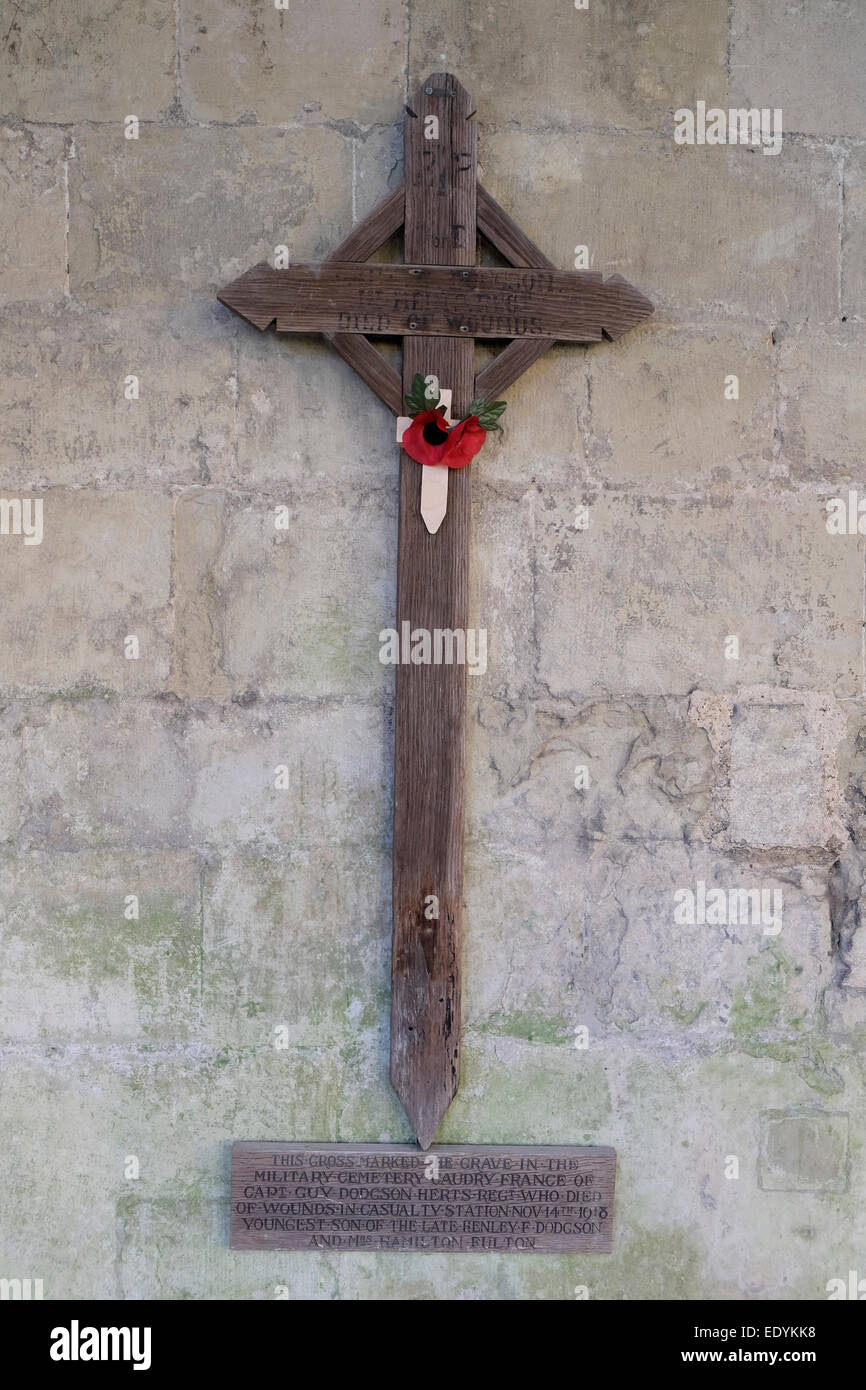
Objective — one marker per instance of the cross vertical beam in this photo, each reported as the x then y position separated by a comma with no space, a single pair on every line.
432,593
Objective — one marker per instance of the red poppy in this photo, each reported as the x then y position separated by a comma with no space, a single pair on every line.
426,439
463,442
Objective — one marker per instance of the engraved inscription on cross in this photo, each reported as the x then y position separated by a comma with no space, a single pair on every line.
438,302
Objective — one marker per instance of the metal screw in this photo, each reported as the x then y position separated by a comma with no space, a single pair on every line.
464,274
413,324
429,91
464,328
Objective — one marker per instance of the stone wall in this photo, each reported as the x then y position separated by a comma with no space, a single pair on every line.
637,515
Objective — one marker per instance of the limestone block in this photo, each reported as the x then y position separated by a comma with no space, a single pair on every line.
99,575
807,59
285,602
32,213
664,413
776,769
60,1216
330,760
854,235
85,401
541,772
777,777
501,600
296,947
702,230
804,1151
105,773
81,961
822,416
645,598
617,938
335,61
86,62
557,65
304,414
181,211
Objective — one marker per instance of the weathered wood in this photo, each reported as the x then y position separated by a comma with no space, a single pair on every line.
503,233
371,366
430,714
438,303
457,1198
373,230
519,250
430,717
481,302
364,239
440,175
508,365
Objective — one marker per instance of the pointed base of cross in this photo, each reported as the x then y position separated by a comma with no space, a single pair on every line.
425,1053
424,1114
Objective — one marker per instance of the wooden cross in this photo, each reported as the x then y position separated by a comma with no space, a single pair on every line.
439,302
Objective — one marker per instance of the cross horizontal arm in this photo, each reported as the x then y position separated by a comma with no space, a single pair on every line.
396,300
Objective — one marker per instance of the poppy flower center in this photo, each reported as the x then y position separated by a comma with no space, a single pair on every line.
434,434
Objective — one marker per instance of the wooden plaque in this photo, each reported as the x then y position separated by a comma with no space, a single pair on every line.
464,1197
